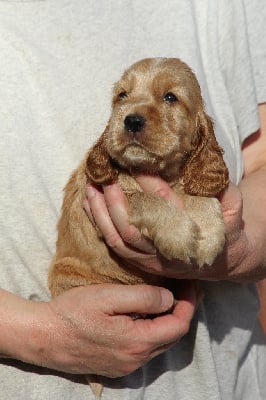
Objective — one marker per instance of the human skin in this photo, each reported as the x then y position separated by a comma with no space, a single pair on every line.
262,296
90,330
254,155
244,257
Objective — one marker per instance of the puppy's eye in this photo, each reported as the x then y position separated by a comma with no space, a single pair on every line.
122,95
170,98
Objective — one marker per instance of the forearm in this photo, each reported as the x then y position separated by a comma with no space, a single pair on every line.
254,196
24,328
262,296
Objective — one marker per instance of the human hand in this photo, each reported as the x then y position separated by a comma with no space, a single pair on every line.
109,211
93,332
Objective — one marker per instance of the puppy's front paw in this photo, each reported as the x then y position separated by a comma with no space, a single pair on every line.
209,248
178,239
173,231
207,214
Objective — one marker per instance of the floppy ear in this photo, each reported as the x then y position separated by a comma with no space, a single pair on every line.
99,167
205,172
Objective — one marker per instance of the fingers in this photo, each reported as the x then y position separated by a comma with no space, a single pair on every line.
117,207
108,209
153,184
139,299
150,337
167,329
97,211
110,342
231,203
115,228
144,299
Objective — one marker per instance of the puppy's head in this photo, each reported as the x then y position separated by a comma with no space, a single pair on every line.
158,126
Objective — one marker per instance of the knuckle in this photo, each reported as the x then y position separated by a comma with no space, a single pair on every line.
167,193
140,351
139,355
162,192
149,297
183,329
162,189
113,240
131,234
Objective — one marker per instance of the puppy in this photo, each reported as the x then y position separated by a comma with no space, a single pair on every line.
158,126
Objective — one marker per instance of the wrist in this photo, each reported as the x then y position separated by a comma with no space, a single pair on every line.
24,329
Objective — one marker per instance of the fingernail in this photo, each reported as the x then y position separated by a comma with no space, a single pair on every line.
167,299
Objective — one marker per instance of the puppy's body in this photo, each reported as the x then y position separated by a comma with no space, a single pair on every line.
158,126
82,256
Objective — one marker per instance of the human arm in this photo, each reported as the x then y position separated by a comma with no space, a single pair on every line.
88,329
255,155
262,296
244,258
253,191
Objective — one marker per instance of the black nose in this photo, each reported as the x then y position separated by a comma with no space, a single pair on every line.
134,123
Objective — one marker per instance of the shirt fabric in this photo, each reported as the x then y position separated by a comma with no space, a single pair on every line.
58,63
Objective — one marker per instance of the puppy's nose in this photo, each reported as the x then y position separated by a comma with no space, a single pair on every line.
134,123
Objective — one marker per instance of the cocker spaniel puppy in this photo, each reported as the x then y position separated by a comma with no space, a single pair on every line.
158,126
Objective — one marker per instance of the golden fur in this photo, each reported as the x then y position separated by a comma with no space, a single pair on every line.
158,126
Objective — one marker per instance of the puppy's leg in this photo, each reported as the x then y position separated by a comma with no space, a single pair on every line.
69,272
206,212
173,232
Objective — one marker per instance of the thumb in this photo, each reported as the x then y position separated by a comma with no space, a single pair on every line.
231,200
232,207
140,299
156,185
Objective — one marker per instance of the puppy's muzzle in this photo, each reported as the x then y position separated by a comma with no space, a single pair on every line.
134,123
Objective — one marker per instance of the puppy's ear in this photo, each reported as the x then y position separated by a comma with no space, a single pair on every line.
205,172
99,167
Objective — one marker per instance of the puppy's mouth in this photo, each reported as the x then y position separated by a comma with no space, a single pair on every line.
136,157
136,153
